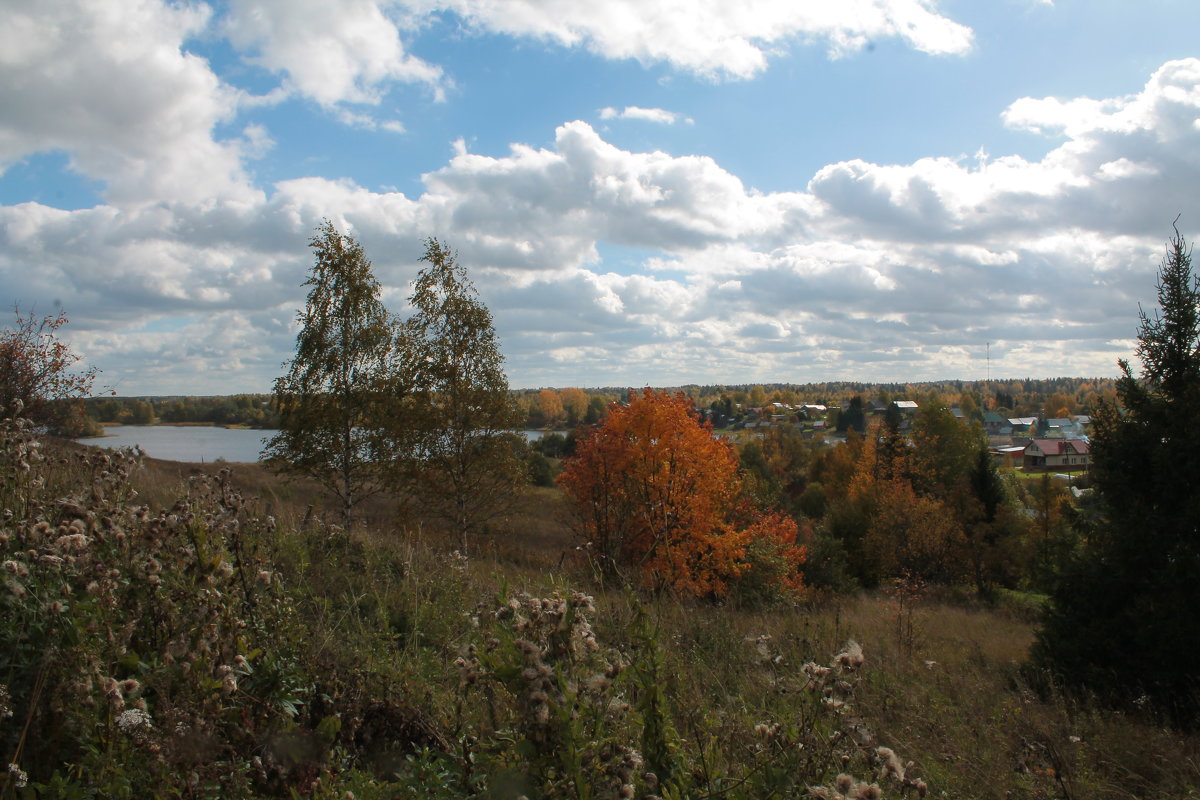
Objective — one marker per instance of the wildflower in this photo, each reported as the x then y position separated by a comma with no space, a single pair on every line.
10,567
890,763
863,791
765,731
851,658
55,607
264,577
129,686
598,683
133,718
14,587
816,672
528,649
225,569
20,777
71,542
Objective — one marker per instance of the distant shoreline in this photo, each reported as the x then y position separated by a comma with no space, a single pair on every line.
107,425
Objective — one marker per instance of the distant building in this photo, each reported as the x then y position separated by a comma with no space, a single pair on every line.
1060,454
996,425
1009,455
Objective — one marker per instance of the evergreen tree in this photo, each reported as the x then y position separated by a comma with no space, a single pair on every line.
853,417
1123,617
471,465
342,380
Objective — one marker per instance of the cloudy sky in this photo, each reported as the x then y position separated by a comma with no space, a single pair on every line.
645,192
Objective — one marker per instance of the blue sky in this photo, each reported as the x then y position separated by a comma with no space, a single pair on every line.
645,192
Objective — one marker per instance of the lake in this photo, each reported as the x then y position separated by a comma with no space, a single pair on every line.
198,443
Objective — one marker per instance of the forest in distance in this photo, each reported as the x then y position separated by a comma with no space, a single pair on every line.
565,408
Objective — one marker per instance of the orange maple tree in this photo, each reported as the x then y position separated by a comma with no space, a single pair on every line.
652,488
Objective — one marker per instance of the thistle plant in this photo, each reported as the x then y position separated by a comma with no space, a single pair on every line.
558,707
130,633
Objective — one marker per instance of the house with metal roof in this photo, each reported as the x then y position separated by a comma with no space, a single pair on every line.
1066,455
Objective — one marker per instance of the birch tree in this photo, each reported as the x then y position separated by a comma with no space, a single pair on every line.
346,377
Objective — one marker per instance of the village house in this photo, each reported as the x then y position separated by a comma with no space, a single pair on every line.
1065,455
996,425
1008,455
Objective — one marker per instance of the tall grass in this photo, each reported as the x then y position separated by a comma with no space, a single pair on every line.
180,631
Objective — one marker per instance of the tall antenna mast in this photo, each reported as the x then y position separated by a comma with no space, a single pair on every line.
989,362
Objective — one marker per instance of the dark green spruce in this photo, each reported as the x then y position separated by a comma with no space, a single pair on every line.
1123,618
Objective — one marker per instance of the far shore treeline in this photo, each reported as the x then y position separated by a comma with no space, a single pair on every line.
565,408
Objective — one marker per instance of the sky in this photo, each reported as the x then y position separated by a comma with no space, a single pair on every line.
644,192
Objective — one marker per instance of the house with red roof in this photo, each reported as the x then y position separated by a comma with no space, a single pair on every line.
1066,455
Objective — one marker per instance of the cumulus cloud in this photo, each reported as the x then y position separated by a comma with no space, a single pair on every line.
871,270
110,85
713,38
346,52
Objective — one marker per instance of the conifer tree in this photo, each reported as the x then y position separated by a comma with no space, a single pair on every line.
1123,617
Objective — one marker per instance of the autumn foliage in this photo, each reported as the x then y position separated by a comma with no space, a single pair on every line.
652,490
37,377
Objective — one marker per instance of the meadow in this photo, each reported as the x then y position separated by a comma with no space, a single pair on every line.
206,631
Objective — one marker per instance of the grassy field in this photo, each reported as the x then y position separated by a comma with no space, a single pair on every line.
382,662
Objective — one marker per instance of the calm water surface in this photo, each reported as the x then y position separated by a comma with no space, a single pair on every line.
197,443
192,443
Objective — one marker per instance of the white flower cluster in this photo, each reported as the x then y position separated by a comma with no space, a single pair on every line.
133,718
20,777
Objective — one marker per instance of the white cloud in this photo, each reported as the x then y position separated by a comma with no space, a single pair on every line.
715,38
355,119
109,84
657,115
872,270
345,52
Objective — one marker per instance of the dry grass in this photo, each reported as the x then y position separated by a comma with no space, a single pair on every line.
943,684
